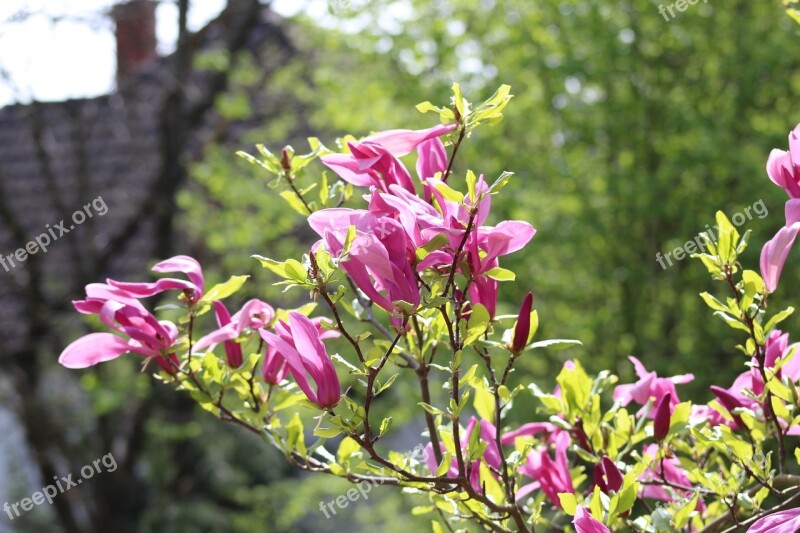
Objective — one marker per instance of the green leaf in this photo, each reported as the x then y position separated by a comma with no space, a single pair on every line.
501,274
568,502
471,181
295,202
555,344
478,322
627,497
347,448
534,325
448,193
777,318
223,290
459,102
425,107
272,265
328,433
439,241
476,446
296,271
385,425
431,409
681,517
732,322
713,303
492,109
727,240
751,277
500,182
349,239
270,164
387,384
576,387
444,466
484,400
490,483
294,435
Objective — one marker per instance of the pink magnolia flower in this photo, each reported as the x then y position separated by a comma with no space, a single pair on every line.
379,261
584,522
298,343
193,288
774,253
777,348
274,369
431,159
97,294
649,386
781,522
374,159
783,167
491,455
672,472
483,247
413,213
705,413
552,476
253,315
146,336
423,222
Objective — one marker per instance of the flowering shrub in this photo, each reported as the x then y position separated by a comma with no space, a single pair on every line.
420,265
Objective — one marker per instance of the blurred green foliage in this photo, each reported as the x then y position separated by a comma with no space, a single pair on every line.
627,132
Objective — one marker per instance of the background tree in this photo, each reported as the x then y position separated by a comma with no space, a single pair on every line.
627,133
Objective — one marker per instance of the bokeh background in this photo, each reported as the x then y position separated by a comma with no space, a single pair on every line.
628,130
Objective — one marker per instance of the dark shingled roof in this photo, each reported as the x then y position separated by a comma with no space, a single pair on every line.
57,157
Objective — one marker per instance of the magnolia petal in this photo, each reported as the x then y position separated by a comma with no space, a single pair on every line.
774,253
778,165
145,290
293,360
401,142
347,168
92,349
187,265
225,333
527,430
780,522
584,522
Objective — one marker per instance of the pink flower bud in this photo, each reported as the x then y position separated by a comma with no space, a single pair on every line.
663,414
523,328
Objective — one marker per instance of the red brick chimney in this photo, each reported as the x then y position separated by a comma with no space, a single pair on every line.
135,22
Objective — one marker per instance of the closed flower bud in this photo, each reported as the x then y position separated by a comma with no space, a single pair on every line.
613,475
523,328
663,414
